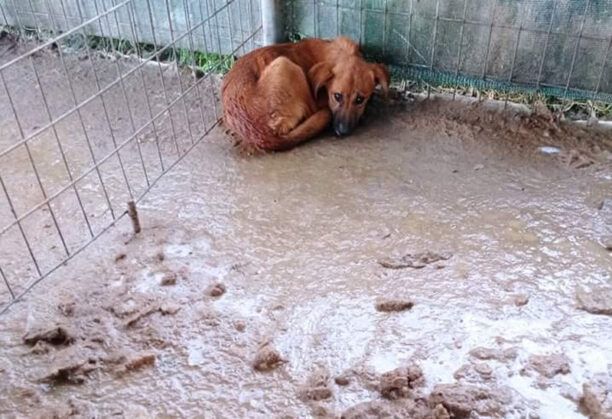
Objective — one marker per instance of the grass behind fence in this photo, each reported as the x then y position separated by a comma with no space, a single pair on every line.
201,62
415,80
573,105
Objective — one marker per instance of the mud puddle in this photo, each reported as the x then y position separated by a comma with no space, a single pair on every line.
282,253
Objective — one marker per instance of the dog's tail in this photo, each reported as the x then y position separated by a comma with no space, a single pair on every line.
238,121
237,93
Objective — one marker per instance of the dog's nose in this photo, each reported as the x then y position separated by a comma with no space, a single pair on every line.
342,129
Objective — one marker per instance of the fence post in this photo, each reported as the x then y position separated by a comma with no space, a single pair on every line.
271,21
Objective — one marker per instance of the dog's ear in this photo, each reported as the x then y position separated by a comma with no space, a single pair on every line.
381,77
319,75
346,45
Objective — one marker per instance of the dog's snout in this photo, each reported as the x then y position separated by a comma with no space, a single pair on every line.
344,125
342,128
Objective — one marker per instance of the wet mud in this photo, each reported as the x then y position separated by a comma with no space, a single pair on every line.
416,261
254,288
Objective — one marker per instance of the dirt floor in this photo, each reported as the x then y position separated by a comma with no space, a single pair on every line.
447,260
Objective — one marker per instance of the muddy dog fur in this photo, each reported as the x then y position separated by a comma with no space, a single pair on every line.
277,97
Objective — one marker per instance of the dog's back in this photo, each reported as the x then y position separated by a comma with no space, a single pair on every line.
272,97
246,112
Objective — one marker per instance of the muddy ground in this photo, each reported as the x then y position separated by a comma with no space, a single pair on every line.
438,263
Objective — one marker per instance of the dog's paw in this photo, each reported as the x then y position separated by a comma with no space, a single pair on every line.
280,125
247,149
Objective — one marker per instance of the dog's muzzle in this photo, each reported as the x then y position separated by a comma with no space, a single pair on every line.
342,128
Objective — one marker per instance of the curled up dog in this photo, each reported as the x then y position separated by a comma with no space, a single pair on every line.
277,97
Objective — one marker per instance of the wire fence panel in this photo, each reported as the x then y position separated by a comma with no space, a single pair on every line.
223,23
559,47
100,100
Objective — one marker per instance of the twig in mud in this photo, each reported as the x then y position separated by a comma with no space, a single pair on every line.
416,261
133,213
165,308
393,305
152,308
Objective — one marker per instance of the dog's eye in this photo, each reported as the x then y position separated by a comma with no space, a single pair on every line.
359,100
338,97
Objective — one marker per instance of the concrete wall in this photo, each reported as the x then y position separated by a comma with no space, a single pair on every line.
433,34
504,40
216,25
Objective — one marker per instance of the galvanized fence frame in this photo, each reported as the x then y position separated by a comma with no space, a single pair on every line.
111,19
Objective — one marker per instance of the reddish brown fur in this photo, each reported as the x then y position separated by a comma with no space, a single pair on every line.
273,97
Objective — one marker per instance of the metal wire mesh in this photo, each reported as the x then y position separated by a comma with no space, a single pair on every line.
558,47
84,129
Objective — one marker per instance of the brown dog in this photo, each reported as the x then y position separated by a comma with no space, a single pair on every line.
279,96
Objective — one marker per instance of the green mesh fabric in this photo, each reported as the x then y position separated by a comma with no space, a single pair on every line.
439,78
559,48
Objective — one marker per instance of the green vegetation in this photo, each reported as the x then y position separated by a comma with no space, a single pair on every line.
424,81
205,62
412,81
574,109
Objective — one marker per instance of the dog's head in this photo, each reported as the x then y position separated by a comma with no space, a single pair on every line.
350,81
